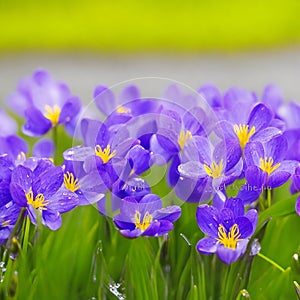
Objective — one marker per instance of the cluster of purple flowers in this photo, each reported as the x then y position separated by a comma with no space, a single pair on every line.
206,140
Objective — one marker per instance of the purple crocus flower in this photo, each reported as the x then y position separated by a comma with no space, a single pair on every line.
228,229
122,108
254,126
266,167
44,103
146,217
174,138
210,170
9,214
111,161
39,191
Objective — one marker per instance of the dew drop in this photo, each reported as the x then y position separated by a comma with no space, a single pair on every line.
255,247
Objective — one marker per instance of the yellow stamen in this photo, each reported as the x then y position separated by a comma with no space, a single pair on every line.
38,202
183,137
266,164
5,223
105,154
122,110
146,220
21,156
52,113
229,240
70,182
215,170
243,133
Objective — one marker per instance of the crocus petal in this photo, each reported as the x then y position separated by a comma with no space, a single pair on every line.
168,140
229,151
253,152
160,155
277,179
5,195
128,94
192,169
49,182
245,227
228,255
170,213
249,194
288,166
272,96
15,145
51,219
226,216
211,94
90,130
260,117
253,218
158,228
173,173
208,220
207,245
149,203
22,177
104,99
142,106
63,201
18,194
204,149
131,234
8,126
139,158
194,191
32,213
266,134
43,148
37,124
235,205
256,177
70,110
224,130
276,148
79,153
193,120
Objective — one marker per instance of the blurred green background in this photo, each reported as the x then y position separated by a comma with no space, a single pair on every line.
146,26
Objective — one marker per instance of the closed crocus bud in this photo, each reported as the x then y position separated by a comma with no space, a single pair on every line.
14,248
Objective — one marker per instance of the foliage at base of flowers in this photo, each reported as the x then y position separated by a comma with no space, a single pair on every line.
193,195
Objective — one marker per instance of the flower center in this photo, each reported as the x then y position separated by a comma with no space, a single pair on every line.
243,133
122,110
52,114
146,220
183,137
266,164
70,182
215,170
105,154
228,240
37,202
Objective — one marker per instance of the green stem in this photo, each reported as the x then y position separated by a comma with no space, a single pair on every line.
273,263
269,197
26,235
55,141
